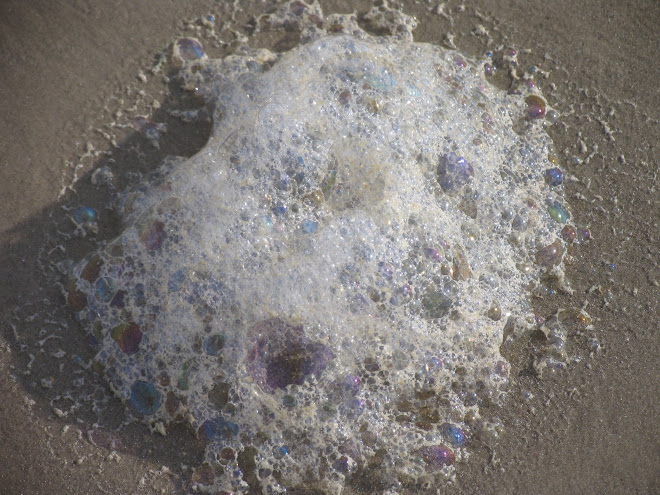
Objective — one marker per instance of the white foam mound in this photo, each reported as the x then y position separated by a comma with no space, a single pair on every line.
323,288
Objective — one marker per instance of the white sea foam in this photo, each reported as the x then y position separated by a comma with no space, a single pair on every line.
324,287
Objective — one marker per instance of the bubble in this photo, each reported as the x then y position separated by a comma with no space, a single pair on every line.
454,435
550,255
553,176
105,289
145,399
218,429
454,172
436,304
214,344
128,336
153,235
189,48
568,233
558,212
309,226
535,107
177,280
85,214
92,269
437,456
283,356
584,234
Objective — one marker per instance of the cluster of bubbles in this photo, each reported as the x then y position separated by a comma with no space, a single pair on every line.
323,289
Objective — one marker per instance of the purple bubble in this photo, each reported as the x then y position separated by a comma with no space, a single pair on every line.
454,172
437,456
282,355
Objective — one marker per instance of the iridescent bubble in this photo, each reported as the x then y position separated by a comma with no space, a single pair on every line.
289,401
105,289
550,255
280,452
190,49
85,214
139,295
92,269
119,301
309,226
436,304
568,233
184,374
128,336
584,234
218,429
176,281
352,384
386,270
344,465
553,176
558,212
145,399
153,236
453,172
454,435
460,61
283,355
214,344
437,456
433,254
279,210
535,107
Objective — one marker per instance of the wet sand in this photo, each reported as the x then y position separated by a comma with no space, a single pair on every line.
593,428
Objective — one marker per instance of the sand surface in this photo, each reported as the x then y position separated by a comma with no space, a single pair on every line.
593,428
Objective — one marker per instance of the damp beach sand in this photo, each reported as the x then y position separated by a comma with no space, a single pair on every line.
592,428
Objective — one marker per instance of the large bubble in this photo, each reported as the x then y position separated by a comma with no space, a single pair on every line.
323,289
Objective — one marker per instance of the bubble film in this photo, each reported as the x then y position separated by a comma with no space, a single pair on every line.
323,289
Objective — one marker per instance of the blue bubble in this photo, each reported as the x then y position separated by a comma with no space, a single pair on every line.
553,176
309,226
139,295
176,281
279,210
105,289
214,344
453,434
280,452
190,49
84,214
453,172
218,429
145,399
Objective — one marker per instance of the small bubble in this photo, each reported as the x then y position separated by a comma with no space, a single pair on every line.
190,49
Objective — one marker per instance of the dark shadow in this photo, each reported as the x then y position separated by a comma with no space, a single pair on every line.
49,347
